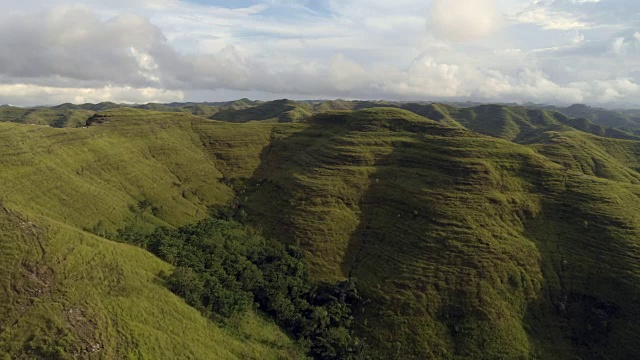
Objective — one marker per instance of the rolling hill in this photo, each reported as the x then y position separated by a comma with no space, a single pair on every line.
45,116
279,110
488,232
613,118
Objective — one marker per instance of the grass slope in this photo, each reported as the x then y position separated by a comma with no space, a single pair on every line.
103,300
138,168
67,294
442,228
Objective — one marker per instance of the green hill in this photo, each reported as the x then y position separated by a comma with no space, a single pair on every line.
45,116
448,233
605,117
71,294
489,232
279,110
68,294
513,123
337,105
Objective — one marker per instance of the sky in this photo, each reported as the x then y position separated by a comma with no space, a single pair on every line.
138,51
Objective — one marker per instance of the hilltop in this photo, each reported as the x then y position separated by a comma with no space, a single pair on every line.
279,110
614,118
482,232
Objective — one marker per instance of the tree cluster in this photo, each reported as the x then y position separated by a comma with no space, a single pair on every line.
223,269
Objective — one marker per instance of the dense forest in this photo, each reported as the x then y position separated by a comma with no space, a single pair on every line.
223,269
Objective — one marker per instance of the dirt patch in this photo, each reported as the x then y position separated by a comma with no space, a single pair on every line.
84,329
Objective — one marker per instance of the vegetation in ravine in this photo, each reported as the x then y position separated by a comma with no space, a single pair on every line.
223,269
63,184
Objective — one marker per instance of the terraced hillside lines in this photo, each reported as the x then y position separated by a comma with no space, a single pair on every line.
443,248
369,199
317,196
319,173
588,238
236,148
586,154
48,312
130,172
436,223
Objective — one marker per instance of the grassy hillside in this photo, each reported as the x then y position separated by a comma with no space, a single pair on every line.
442,228
44,116
513,123
489,232
138,169
133,170
49,312
611,118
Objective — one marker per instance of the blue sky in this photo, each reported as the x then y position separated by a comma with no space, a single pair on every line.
547,51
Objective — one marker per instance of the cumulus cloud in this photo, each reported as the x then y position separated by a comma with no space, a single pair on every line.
358,49
72,42
463,20
622,45
608,91
346,74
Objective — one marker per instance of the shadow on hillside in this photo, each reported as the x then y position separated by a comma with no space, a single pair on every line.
265,198
589,305
274,198
282,110
416,257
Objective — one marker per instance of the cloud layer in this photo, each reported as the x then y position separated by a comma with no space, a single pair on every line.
560,51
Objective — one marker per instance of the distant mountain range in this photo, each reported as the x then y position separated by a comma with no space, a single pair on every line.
625,119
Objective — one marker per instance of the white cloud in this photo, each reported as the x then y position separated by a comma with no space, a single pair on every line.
550,19
73,43
530,84
609,91
463,20
619,46
427,76
346,74
623,45
27,94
